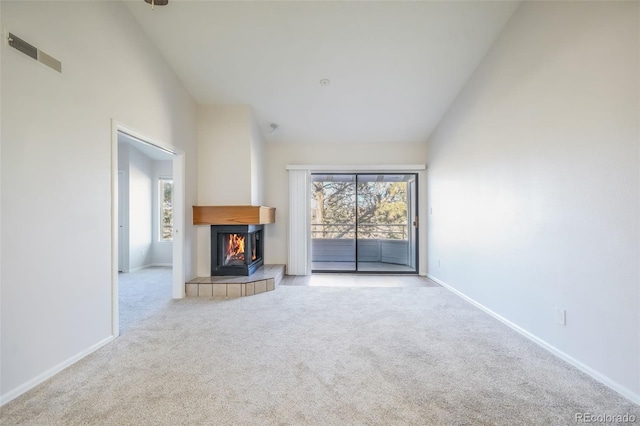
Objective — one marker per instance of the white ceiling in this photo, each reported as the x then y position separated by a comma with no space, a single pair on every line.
394,67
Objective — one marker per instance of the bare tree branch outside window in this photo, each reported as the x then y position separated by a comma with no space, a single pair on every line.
166,209
382,210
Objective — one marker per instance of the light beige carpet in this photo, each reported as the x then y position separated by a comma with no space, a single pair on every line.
142,294
318,356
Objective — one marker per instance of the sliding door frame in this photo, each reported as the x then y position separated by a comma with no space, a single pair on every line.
355,227
299,235
414,227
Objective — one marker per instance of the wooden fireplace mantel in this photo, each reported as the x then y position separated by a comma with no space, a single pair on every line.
233,215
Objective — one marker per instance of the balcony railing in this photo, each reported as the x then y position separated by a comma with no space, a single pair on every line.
365,231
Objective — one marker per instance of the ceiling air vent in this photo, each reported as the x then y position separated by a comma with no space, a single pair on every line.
33,52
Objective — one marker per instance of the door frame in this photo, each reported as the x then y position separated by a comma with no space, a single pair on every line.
299,235
412,209
412,225
178,275
123,224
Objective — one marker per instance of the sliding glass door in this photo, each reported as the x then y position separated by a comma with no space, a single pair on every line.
333,222
383,223
364,223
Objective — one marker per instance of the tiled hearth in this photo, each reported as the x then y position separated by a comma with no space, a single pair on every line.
264,279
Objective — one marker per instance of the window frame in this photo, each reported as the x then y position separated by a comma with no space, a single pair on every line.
160,192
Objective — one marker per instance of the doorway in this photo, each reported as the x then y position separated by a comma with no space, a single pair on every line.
364,223
143,207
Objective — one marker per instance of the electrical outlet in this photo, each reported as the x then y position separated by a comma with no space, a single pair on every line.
561,316
431,211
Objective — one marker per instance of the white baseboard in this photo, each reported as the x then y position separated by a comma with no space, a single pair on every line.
19,390
622,390
149,266
139,268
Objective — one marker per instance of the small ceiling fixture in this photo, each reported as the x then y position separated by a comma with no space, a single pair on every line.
273,127
154,3
325,82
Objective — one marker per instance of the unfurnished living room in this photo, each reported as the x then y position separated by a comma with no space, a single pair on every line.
320,212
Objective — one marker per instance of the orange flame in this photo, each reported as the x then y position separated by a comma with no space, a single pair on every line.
254,256
235,248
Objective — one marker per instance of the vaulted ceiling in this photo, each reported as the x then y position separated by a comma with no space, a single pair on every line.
393,68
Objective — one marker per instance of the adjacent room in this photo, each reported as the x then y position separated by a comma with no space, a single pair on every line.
319,212
145,229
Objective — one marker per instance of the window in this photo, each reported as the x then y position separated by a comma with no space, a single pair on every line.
165,196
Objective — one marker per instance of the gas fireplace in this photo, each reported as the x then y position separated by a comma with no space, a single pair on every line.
236,249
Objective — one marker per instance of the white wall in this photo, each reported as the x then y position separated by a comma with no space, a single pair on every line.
533,177
123,207
279,155
224,155
142,245
162,251
257,164
140,209
1,196
230,165
56,174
